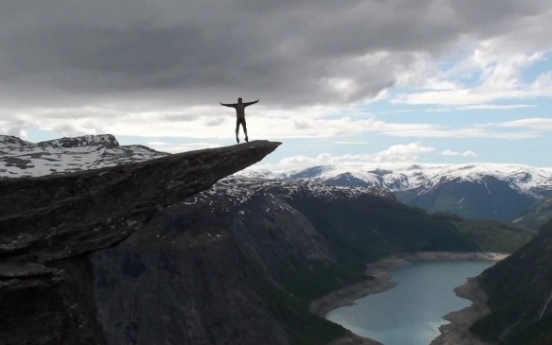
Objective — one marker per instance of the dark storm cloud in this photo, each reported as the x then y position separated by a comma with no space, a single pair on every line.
63,52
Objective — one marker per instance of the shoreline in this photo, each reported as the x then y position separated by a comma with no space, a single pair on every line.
457,331
454,333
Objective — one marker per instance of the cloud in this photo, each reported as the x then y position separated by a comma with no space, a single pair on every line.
482,107
449,153
402,153
176,148
216,121
159,68
397,153
468,153
538,124
17,132
210,122
495,107
200,52
352,142
466,133
492,73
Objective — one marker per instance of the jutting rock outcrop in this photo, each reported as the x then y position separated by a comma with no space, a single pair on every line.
47,224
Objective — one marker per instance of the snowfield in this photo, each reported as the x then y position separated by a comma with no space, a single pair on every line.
19,158
421,177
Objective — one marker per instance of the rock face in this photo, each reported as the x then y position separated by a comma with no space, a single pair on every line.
240,263
48,224
195,276
519,291
218,268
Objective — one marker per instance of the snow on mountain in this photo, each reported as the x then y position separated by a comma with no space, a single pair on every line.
19,158
8,141
239,189
481,191
85,140
421,177
524,177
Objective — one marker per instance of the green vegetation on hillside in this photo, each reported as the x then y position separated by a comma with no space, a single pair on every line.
519,290
302,285
489,235
364,230
537,216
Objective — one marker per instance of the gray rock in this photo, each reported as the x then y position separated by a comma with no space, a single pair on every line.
47,224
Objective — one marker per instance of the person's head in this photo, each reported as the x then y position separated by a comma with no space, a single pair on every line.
239,100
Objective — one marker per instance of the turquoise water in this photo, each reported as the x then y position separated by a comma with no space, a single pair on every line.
411,312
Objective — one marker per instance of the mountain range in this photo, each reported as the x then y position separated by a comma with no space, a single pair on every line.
238,263
20,158
502,192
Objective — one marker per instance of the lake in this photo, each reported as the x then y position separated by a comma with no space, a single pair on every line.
411,312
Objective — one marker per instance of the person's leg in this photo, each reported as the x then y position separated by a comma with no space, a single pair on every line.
245,130
237,130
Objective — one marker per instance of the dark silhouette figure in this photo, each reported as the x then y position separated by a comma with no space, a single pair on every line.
240,116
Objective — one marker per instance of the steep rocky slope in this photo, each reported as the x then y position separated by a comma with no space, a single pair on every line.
537,216
241,262
487,198
48,224
520,294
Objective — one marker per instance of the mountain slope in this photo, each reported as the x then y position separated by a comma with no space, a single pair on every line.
241,262
537,216
486,198
485,191
519,292
19,158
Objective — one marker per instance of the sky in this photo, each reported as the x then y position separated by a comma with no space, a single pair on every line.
378,81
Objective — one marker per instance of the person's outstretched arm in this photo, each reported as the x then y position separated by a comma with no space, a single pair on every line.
228,105
250,103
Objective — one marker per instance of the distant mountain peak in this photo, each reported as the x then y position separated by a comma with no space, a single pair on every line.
493,191
7,141
380,172
238,189
19,158
85,140
310,172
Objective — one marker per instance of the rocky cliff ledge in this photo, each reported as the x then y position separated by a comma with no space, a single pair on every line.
48,223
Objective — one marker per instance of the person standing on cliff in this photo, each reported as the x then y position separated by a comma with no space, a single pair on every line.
240,116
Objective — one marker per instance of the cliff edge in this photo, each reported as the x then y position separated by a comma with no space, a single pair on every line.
48,224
